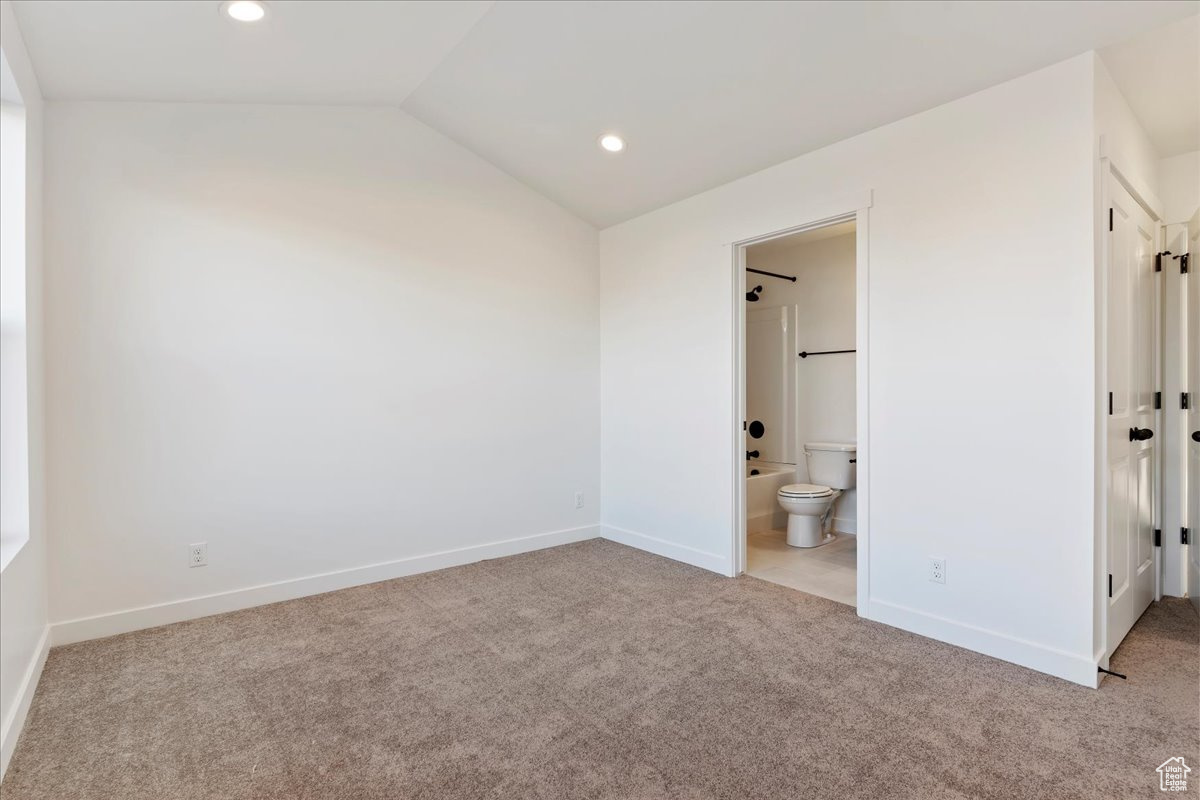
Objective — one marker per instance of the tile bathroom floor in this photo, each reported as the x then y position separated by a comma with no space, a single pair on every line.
827,571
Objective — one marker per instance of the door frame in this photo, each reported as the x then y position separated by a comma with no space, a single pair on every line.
856,209
1150,203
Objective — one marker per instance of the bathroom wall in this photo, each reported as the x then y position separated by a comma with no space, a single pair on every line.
329,342
822,301
770,399
981,326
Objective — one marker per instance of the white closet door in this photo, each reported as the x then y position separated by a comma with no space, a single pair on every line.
1132,452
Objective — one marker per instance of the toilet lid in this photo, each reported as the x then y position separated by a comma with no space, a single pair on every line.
805,490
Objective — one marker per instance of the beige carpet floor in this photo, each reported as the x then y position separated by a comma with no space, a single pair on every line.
591,670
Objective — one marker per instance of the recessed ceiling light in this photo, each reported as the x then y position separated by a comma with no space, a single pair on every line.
612,143
245,10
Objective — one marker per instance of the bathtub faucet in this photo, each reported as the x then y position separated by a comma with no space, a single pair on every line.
751,454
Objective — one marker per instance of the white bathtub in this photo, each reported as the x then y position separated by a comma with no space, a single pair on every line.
762,506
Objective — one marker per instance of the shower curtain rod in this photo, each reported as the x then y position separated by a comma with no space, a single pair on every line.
791,278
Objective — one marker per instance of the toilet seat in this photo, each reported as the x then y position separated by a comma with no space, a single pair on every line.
805,490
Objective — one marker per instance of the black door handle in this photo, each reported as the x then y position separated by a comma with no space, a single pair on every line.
1140,434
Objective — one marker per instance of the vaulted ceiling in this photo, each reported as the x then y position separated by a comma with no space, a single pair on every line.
703,92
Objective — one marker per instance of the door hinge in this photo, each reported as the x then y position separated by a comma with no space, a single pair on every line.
1183,263
1185,401
1110,404
1110,584
1158,262
1184,538
1158,399
1110,219
1157,537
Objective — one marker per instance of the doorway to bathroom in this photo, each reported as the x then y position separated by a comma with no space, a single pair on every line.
800,297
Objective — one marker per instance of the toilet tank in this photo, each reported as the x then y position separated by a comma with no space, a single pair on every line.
831,464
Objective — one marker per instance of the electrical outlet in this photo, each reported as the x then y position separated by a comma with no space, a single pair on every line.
579,499
198,554
937,570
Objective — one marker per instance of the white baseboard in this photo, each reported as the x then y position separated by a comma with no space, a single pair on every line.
845,525
14,722
1039,657
133,619
661,547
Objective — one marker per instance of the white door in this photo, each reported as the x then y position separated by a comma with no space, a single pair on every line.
1132,373
1192,426
767,358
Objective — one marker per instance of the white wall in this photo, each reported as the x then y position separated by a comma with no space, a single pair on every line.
981,337
770,395
1179,185
23,612
318,339
824,300
1124,140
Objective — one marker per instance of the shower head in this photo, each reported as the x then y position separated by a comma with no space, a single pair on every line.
752,295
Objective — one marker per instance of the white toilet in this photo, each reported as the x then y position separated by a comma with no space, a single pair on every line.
832,470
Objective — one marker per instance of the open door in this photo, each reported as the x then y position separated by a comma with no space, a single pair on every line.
1192,428
1132,377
